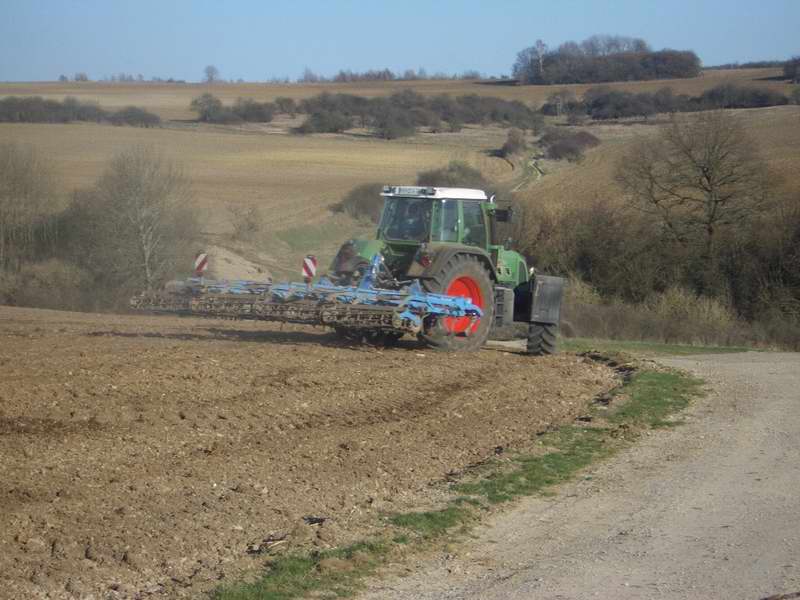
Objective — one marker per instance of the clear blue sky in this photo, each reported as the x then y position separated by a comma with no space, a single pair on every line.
258,39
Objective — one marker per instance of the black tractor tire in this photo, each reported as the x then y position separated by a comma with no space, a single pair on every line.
436,335
542,339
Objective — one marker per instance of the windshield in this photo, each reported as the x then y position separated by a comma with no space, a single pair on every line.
406,219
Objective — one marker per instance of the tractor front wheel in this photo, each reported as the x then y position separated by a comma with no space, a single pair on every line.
462,275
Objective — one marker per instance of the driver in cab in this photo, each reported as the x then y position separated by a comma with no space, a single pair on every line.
416,222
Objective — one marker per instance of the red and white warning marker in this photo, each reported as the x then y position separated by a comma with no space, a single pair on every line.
309,267
200,264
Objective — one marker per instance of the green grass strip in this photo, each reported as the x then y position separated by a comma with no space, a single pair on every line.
294,576
654,396
575,448
432,524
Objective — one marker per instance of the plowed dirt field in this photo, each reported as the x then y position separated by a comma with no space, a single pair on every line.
145,455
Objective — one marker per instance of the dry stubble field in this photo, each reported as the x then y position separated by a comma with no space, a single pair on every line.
294,179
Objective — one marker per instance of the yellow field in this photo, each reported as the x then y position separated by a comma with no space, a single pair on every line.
775,130
294,179
171,101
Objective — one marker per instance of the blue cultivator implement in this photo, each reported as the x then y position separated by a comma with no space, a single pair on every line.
365,308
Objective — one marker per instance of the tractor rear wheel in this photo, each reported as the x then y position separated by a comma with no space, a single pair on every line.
542,339
462,275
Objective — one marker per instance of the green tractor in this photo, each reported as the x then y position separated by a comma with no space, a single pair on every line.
447,240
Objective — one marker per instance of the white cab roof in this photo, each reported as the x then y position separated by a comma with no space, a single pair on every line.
415,191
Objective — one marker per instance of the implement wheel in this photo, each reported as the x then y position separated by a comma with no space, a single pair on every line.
542,339
462,275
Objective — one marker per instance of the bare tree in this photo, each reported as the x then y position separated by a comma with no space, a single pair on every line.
541,49
698,175
529,66
136,223
211,74
26,202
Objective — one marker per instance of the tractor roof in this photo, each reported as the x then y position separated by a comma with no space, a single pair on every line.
415,191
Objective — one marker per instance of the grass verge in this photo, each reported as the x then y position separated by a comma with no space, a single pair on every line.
333,573
650,398
645,348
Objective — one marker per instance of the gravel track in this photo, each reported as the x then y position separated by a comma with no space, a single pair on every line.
707,510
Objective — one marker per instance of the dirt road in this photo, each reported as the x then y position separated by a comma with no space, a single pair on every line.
707,510
148,455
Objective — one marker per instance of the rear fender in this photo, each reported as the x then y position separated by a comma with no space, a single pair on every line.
539,300
354,253
441,254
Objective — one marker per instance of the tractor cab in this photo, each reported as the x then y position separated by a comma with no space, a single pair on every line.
438,215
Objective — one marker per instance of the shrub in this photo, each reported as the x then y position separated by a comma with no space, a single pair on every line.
567,145
362,202
394,124
252,111
397,114
324,121
602,102
424,117
515,142
560,102
207,106
245,220
455,174
136,117
455,125
52,283
728,95
35,109
286,105
605,103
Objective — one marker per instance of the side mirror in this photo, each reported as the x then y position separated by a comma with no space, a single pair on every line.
503,215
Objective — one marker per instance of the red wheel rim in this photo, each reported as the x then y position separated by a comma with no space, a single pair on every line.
466,287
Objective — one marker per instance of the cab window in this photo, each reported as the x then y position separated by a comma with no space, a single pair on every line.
446,222
406,219
474,226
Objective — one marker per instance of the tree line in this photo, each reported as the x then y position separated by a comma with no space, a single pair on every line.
602,58
603,102
35,109
394,116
